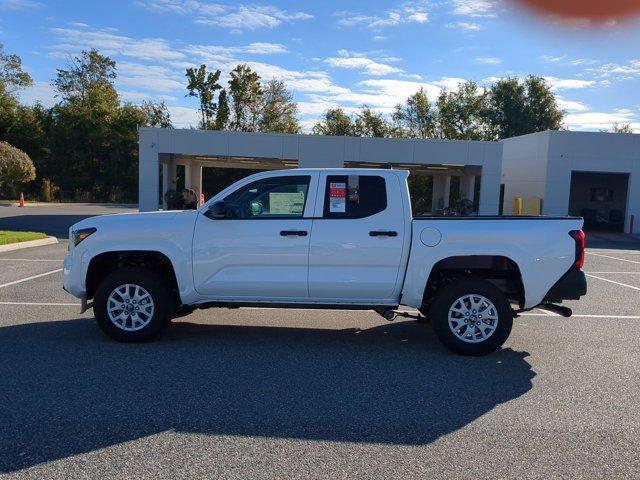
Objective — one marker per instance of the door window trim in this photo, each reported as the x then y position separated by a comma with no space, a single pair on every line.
274,217
359,217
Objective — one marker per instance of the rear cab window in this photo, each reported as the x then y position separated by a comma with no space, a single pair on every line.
354,196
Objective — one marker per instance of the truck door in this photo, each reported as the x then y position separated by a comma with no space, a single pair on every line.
357,240
260,251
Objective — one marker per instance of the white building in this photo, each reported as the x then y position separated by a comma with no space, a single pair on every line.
594,175
176,159
589,174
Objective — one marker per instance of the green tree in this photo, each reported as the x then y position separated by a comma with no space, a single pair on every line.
278,109
203,84
246,92
88,80
12,78
462,113
415,118
371,124
12,75
156,115
520,107
619,128
222,115
335,122
15,165
86,125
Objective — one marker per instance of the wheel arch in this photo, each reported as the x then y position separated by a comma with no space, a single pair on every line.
500,270
107,262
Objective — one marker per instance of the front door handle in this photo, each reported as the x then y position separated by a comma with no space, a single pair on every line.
295,233
383,233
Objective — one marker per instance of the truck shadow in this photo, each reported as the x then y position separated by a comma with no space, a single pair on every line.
67,390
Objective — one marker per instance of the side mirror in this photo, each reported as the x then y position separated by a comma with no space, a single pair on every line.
217,210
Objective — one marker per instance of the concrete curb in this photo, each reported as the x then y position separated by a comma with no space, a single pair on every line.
28,244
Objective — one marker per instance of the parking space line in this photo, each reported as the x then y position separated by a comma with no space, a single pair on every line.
579,315
614,258
28,260
617,273
612,281
30,278
38,304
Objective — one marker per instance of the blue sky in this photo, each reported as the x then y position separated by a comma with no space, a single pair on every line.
333,53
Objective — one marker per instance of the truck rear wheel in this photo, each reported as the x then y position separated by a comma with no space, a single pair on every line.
132,305
471,317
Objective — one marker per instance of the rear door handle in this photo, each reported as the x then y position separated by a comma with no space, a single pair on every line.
383,233
295,233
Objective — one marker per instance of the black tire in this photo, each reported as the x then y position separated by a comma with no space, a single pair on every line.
158,291
444,301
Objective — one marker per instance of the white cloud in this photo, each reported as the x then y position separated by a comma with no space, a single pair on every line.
184,117
408,12
151,83
383,94
315,108
560,60
353,61
601,120
618,72
488,60
265,48
235,17
136,97
19,5
73,40
474,8
572,106
42,92
464,26
568,83
156,78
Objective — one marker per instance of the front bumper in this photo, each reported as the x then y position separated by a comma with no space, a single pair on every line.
571,286
72,277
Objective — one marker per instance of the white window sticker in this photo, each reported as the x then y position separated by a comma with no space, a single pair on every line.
286,203
337,197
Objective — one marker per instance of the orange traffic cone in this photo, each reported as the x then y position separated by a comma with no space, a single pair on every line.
21,204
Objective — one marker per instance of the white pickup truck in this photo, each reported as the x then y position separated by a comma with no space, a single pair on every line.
324,238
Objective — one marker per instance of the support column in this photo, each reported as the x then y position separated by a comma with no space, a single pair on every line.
148,171
196,178
187,175
165,183
447,190
438,193
469,187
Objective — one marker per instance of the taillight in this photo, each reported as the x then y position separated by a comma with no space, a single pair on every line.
579,237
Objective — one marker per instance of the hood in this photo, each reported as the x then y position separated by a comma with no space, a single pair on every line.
133,222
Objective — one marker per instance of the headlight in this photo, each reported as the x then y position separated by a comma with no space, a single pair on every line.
80,235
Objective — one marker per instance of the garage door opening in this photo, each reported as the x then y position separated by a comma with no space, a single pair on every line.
600,198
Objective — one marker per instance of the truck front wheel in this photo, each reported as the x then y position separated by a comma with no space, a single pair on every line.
132,305
471,317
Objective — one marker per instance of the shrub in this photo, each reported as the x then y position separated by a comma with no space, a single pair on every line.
15,165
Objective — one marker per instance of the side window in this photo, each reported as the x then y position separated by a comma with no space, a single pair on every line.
275,197
354,196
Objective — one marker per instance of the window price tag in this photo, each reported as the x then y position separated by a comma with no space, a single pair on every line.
337,197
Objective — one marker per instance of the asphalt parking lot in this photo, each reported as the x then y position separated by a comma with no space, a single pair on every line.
259,393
